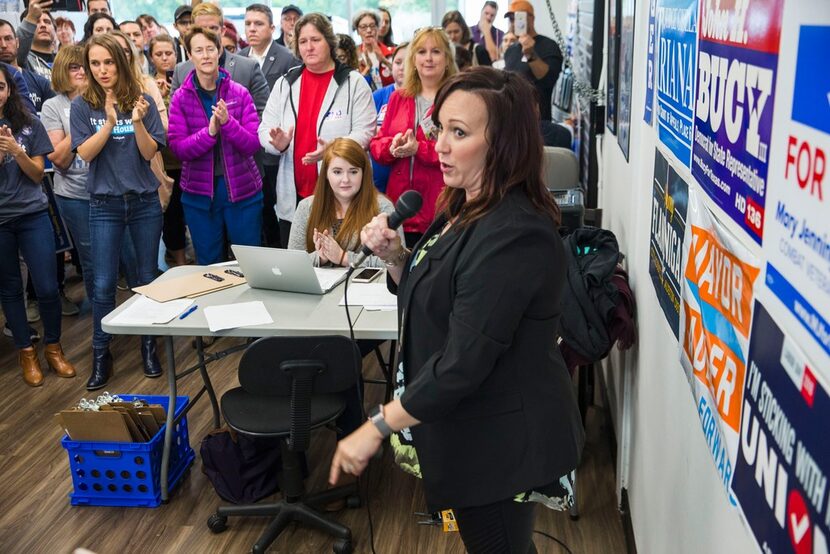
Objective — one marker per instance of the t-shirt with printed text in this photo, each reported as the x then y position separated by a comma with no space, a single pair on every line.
19,195
119,168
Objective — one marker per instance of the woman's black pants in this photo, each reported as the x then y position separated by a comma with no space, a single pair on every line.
502,527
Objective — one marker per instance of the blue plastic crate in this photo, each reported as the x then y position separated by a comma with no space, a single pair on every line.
128,473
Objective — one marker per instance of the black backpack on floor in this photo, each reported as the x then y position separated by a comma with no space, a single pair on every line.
242,469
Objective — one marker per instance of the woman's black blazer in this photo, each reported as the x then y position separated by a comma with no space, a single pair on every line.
478,319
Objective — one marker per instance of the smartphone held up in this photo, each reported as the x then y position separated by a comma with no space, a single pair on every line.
520,23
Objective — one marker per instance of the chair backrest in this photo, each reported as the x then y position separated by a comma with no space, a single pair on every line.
299,367
561,168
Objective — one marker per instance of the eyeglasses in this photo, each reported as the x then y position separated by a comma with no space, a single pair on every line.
209,51
367,27
74,67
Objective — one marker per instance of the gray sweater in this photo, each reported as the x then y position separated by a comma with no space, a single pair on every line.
299,228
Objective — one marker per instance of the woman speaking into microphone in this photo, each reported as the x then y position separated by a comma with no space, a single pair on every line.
486,397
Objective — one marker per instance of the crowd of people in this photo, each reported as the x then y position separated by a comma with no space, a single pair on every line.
207,139
306,140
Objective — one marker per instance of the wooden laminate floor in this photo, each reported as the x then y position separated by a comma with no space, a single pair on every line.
35,514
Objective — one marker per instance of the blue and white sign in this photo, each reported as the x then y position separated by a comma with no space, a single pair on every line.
676,64
797,226
650,68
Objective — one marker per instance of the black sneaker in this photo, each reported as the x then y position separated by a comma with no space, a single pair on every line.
34,336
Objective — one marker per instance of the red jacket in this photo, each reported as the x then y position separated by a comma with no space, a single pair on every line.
426,171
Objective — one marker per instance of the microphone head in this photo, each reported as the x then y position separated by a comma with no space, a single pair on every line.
409,203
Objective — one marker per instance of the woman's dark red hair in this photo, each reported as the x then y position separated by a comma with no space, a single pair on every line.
515,149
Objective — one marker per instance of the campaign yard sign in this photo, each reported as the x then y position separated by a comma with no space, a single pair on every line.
652,30
677,40
670,196
780,478
715,315
736,76
797,230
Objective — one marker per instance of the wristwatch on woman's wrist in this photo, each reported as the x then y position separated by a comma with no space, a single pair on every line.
377,419
397,259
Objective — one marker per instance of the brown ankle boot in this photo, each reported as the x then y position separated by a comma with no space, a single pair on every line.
31,367
57,361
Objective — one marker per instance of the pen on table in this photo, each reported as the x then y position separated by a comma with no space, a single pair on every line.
189,311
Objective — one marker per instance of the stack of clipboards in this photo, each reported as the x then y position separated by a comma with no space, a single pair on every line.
116,421
206,280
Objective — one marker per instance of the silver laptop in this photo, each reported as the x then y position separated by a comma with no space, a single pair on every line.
285,270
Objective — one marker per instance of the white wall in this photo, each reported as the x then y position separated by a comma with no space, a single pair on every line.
677,502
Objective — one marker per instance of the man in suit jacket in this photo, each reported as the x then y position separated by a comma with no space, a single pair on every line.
275,61
244,71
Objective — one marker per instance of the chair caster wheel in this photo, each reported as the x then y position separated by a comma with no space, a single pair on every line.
574,517
343,546
217,523
353,501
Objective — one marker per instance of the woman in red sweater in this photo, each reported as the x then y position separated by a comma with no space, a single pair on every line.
406,140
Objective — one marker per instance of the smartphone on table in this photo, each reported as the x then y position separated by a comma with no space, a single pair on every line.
367,274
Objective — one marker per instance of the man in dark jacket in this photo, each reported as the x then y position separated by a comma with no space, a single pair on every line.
275,61
182,22
289,16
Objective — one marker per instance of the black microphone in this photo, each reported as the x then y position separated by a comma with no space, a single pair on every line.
407,205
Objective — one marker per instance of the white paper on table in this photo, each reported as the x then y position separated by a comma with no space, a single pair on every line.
328,277
146,311
372,296
231,316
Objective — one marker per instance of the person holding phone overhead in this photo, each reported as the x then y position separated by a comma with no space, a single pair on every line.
485,412
535,56
117,129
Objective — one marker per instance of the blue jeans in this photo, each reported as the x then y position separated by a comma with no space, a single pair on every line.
75,214
110,217
32,236
210,220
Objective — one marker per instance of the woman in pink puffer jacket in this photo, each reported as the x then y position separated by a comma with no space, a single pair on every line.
213,131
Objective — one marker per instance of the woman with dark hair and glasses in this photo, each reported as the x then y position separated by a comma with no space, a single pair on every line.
116,127
485,411
346,52
25,228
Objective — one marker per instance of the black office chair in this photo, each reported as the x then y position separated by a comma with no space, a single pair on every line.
289,386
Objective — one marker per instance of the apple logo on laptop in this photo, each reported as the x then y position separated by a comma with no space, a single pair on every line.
276,271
